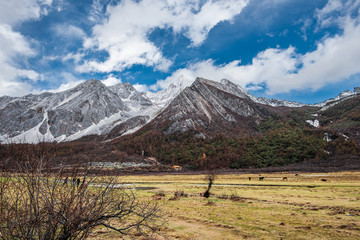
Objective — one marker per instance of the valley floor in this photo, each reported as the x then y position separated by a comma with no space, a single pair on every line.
281,206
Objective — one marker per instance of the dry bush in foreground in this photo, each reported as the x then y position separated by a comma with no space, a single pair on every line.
37,202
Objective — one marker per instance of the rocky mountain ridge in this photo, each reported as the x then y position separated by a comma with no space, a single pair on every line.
209,106
89,108
93,108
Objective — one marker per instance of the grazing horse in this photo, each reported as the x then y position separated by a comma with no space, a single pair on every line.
285,178
249,178
323,180
261,178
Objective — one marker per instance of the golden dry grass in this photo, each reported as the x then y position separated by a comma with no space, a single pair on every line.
301,207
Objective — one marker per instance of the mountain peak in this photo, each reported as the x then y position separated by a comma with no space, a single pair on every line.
90,84
226,86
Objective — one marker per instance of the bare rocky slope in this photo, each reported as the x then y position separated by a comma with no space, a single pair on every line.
92,108
209,107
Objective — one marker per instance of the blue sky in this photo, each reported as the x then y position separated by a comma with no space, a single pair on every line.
305,51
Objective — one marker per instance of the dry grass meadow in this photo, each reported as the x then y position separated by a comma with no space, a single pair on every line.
303,206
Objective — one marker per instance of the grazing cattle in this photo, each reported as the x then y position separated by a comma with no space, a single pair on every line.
296,174
261,178
323,180
285,178
249,178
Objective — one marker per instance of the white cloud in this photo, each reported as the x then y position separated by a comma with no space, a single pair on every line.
336,59
68,81
13,12
68,31
96,12
15,46
77,57
141,87
335,12
124,35
65,86
111,80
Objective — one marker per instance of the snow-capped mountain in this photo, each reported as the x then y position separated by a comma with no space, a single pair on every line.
342,96
163,97
93,108
89,108
208,106
239,91
129,94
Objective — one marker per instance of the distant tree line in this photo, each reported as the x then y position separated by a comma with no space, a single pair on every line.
277,144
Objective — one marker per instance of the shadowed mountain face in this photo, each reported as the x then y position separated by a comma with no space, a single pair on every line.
211,108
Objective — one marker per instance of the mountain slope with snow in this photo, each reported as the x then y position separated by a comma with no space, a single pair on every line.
89,108
211,107
93,108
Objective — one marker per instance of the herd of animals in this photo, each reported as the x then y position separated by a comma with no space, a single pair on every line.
285,178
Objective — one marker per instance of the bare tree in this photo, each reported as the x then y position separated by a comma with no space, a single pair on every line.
38,202
210,178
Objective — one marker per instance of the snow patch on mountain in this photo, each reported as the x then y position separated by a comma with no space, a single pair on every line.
71,97
314,123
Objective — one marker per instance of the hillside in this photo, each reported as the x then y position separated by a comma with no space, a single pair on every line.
209,126
206,125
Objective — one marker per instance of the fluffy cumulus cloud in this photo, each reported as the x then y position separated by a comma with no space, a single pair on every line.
13,12
124,34
15,46
141,87
111,80
335,59
266,66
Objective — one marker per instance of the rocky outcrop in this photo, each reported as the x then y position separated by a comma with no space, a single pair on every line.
127,92
128,125
212,107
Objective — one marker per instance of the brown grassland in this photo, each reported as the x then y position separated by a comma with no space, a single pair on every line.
303,206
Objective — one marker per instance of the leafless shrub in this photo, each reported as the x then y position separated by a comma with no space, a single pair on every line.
180,193
42,202
160,194
210,203
233,196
